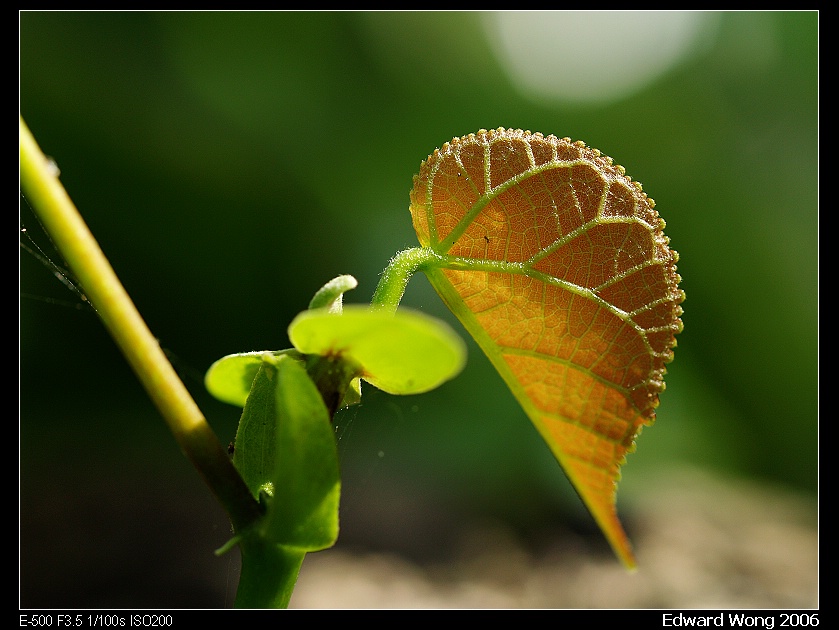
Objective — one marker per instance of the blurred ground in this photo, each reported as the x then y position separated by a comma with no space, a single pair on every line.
701,543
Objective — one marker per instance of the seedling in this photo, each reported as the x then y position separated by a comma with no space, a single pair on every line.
549,255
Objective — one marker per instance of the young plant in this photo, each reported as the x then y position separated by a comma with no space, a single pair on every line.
550,256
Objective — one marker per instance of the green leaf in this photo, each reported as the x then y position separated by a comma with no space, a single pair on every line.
404,352
303,512
286,453
331,295
256,438
230,378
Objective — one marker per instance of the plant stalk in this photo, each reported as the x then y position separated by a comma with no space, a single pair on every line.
395,277
97,278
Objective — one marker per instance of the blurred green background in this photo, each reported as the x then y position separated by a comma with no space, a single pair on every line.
230,163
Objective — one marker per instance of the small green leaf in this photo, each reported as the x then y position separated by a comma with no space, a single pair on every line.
303,512
404,352
286,453
230,378
331,295
256,444
353,395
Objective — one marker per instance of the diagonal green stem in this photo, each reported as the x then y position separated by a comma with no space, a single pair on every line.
107,295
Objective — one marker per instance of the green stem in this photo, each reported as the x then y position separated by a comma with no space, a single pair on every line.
395,277
269,574
107,295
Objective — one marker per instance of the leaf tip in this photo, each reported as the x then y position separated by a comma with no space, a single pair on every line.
331,295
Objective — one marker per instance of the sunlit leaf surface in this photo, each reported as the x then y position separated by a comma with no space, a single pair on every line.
400,353
555,261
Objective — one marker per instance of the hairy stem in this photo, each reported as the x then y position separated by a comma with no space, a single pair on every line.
395,277
74,240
